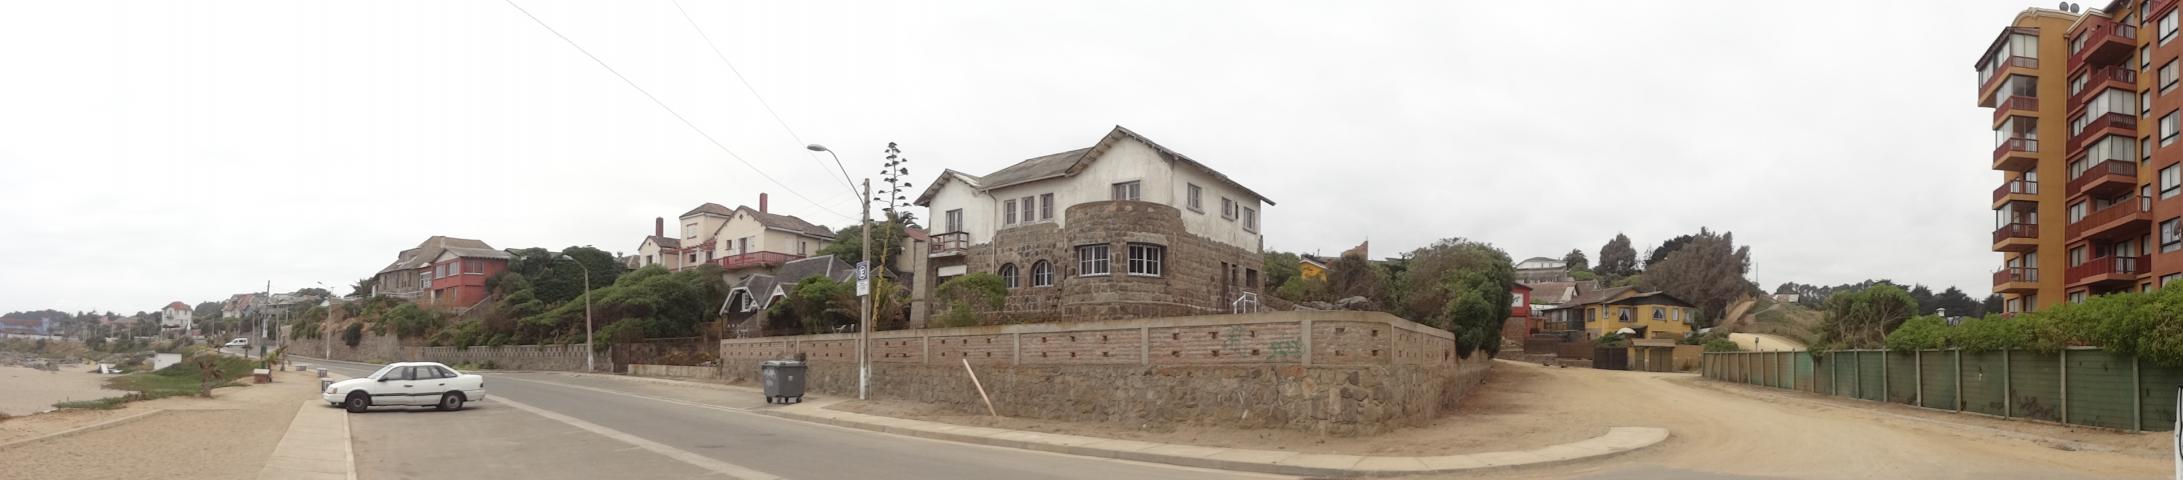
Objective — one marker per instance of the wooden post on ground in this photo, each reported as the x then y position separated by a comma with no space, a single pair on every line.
981,388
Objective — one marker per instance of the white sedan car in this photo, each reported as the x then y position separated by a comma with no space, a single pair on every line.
412,384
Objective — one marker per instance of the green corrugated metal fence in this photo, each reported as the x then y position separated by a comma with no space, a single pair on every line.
2080,386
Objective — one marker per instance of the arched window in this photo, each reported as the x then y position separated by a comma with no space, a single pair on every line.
1042,274
1008,275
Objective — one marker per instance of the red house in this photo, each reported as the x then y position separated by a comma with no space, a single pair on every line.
442,271
1519,323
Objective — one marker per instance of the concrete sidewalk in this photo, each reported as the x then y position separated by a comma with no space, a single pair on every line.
1615,441
316,446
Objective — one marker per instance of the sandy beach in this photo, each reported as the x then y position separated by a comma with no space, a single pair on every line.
31,390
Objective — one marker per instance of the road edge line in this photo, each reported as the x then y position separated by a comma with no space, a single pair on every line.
684,456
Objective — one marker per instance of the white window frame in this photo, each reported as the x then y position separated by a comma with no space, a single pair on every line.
689,231
954,221
1196,198
1094,260
1009,275
1042,274
1045,206
1008,206
1228,208
1134,188
1250,220
1030,205
1147,260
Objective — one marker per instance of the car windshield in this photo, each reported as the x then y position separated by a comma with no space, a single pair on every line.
382,371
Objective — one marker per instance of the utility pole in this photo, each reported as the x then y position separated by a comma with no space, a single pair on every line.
864,312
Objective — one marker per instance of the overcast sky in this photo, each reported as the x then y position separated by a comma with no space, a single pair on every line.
161,151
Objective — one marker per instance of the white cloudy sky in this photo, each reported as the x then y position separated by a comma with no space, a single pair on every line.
160,151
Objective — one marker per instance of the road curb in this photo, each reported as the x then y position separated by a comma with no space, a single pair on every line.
85,428
1617,441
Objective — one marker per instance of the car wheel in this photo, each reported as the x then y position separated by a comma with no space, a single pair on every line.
358,402
451,402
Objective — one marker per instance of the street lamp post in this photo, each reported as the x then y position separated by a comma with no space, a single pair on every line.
589,352
864,304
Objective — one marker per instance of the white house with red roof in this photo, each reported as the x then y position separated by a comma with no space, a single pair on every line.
176,316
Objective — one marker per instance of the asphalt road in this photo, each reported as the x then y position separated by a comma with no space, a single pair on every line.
547,426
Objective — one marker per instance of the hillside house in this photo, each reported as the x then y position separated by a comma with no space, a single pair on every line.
442,271
1124,228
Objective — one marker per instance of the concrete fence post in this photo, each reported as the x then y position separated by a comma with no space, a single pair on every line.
1917,377
1015,356
2008,394
1959,380
1144,345
1883,376
1857,389
2137,397
2065,384
924,345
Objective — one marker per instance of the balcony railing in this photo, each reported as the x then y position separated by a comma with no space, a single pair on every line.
2016,274
2118,211
2016,187
2103,43
2128,267
2107,169
2025,145
2101,79
756,259
2016,230
951,243
2001,110
2095,127
1986,82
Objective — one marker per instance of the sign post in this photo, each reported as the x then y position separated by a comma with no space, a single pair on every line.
864,278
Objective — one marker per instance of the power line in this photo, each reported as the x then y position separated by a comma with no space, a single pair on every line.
851,183
671,111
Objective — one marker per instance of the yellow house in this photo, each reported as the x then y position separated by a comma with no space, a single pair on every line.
1311,267
1645,314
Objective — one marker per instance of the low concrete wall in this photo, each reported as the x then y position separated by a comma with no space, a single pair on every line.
385,348
674,371
1340,373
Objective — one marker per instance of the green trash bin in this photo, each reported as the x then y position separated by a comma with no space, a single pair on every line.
784,380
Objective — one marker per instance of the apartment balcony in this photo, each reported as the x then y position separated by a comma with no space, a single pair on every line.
2121,220
2016,191
2016,237
950,244
756,260
2014,65
2017,107
2107,271
2017,155
2113,123
2016,280
2103,44
2100,80
2105,179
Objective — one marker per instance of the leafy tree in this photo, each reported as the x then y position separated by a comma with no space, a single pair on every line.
411,321
1353,276
1992,303
848,245
1617,259
352,335
1282,266
1576,262
1300,289
1658,254
314,292
1422,291
1861,319
205,312
1990,333
363,286
819,303
1920,333
1924,296
1477,305
969,298
1583,275
1706,270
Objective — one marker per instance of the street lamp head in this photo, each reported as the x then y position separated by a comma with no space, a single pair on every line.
816,147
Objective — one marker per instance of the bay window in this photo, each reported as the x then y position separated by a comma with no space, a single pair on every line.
1091,260
1145,259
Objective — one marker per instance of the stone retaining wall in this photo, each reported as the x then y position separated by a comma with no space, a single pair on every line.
385,349
1340,373
674,371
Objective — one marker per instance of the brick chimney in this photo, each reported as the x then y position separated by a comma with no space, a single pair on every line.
761,202
659,226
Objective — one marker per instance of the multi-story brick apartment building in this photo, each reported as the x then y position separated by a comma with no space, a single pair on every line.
443,271
2107,77
741,240
1125,228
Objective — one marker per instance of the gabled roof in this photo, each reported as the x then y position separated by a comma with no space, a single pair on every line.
431,249
948,175
662,241
1652,298
786,223
178,305
1541,291
761,286
467,252
1070,163
1595,297
708,208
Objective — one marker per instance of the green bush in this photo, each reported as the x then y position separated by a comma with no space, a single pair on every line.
1722,345
352,335
1920,333
970,297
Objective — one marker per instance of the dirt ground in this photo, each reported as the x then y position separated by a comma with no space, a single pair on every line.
228,436
1717,430
31,390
